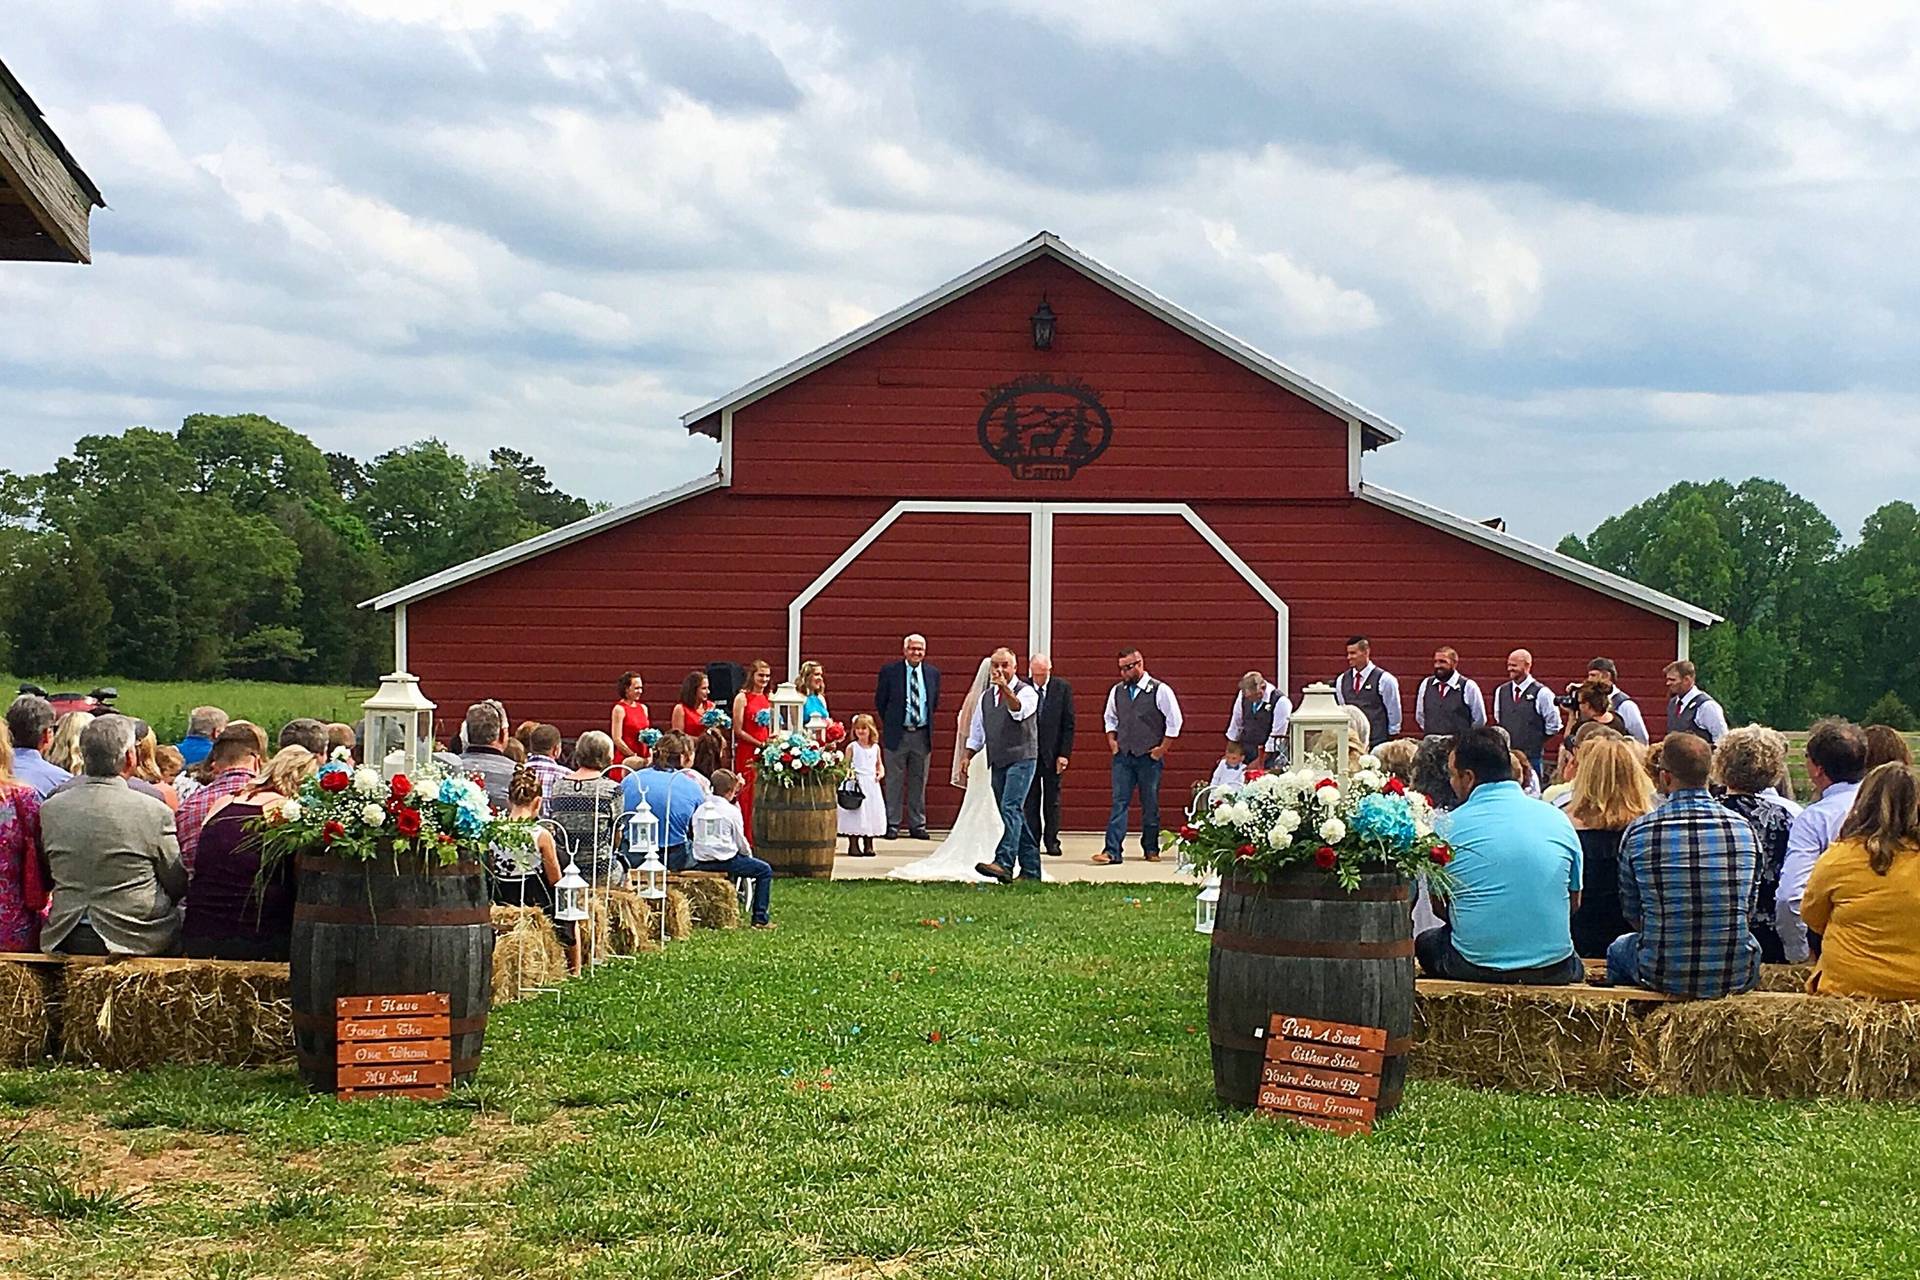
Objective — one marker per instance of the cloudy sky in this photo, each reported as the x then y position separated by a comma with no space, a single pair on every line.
1577,251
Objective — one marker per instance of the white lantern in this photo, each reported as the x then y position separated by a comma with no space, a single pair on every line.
643,831
1206,905
398,732
651,876
789,704
1319,715
570,896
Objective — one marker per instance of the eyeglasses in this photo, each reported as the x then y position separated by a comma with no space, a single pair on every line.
1128,664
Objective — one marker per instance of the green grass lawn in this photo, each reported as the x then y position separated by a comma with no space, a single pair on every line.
921,1081
165,703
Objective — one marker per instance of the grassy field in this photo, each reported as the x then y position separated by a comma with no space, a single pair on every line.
913,1081
165,703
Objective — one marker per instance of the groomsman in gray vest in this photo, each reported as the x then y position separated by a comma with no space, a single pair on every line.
1623,705
1448,703
1006,726
1142,720
1525,709
1692,709
1372,689
1258,721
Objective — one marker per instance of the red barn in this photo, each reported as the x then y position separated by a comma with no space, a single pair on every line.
1144,479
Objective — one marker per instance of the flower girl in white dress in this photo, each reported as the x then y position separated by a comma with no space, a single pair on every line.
861,825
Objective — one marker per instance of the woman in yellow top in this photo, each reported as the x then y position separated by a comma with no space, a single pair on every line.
1864,894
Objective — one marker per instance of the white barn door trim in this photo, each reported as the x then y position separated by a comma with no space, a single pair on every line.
1040,564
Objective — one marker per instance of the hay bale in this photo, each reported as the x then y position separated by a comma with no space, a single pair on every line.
632,926
1776,1045
133,1014
26,1021
527,957
1539,1039
714,902
1785,977
679,916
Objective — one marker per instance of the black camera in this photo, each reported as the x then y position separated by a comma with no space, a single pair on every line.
1571,698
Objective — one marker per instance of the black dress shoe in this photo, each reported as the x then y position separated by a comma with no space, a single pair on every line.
1053,853
920,833
995,870
893,833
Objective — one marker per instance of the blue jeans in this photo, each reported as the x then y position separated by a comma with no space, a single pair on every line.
1011,782
739,866
1623,960
1439,959
1134,773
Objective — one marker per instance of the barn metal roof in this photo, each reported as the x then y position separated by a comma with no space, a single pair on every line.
1377,429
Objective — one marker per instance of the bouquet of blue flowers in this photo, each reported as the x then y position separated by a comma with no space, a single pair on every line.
795,759
715,718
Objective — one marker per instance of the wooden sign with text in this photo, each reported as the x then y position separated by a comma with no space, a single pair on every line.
393,1046
1323,1074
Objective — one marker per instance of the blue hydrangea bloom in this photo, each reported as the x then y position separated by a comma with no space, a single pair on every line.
1386,819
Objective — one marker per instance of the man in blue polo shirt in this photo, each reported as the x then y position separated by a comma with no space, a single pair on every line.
1515,878
672,795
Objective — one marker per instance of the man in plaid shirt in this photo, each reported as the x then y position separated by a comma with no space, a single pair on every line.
1686,879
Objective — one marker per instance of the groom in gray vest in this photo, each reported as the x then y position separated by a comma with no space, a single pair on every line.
1005,725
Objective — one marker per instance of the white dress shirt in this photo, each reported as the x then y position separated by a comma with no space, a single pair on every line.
1469,690
1807,839
1228,775
1389,693
1025,702
1711,716
1162,698
1792,806
729,836
1631,720
1282,713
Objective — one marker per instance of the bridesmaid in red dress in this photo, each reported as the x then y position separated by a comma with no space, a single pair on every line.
749,735
629,719
693,705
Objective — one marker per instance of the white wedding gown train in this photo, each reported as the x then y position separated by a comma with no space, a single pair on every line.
975,835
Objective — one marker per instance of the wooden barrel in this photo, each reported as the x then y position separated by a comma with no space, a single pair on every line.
369,929
795,829
1303,945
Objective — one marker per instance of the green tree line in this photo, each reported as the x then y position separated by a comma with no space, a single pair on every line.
236,547
1813,626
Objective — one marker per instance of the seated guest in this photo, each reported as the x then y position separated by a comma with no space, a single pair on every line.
342,735
236,756
30,723
1686,877
526,877
173,766
232,913
543,755
720,843
1745,764
1396,757
148,769
585,805
117,875
1886,746
23,862
486,752
203,726
1836,761
64,749
307,732
1515,878
1864,894
1431,776
1610,790
1567,765
1524,775
670,793
516,751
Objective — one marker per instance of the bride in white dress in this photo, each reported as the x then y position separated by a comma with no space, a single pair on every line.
976,832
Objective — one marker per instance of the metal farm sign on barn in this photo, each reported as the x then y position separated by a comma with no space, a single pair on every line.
1140,478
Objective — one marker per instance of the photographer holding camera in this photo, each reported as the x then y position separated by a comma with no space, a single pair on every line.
1632,723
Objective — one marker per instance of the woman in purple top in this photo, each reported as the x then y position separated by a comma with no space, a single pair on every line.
24,879
231,914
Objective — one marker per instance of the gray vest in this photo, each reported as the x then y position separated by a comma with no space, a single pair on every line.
1526,727
1256,723
1367,698
1142,727
1688,720
1445,709
1008,739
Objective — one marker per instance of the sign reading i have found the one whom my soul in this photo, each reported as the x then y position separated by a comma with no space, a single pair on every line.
395,1046
1324,1074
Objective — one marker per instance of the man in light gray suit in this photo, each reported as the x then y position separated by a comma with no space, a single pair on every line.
117,875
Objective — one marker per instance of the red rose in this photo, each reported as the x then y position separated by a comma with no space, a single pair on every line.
407,822
1244,851
1324,857
1254,775
1325,782
402,786
331,830
335,780
1441,854
1395,787
1189,833
445,838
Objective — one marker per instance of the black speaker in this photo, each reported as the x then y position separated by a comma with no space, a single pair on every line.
724,679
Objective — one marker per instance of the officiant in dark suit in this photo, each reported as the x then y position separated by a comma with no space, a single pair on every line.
906,696
1056,748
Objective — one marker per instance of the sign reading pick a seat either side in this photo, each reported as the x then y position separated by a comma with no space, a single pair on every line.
1324,1074
1044,428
